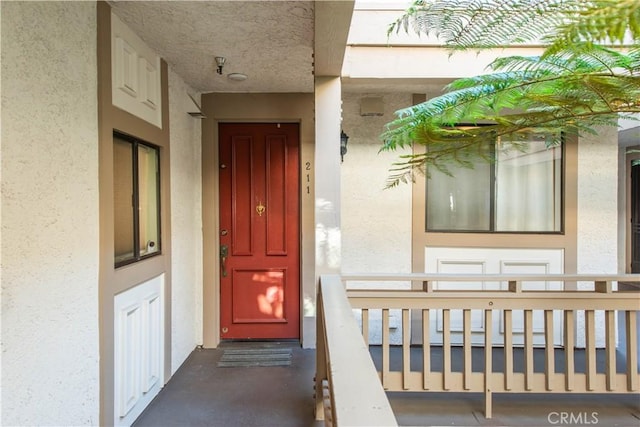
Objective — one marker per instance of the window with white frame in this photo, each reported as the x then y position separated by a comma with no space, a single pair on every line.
520,192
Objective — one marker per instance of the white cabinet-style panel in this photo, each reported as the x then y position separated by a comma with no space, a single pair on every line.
138,348
541,264
152,343
149,74
468,266
136,86
494,261
129,332
125,77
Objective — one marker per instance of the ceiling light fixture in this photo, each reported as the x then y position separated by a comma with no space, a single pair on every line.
220,60
237,77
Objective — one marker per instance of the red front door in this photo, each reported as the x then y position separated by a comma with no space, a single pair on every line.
259,231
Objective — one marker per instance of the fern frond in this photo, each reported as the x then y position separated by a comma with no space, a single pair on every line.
482,24
464,24
599,22
576,85
572,90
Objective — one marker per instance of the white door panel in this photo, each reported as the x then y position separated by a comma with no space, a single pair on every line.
138,349
494,261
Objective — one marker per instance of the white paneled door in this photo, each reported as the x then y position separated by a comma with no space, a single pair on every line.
138,349
135,70
494,261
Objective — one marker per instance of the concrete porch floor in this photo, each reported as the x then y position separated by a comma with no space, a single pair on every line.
203,394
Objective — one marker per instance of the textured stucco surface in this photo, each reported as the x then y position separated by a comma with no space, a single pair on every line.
189,35
376,223
597,202
597,214
50,359
186,222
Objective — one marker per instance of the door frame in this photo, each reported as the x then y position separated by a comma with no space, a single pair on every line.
246,108
299,213
629,157
251,108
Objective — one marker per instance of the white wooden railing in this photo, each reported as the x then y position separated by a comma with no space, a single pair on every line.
599,302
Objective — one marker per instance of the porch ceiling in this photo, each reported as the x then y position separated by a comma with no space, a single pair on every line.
272,42
277,44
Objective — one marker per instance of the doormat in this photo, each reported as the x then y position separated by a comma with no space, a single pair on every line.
233,358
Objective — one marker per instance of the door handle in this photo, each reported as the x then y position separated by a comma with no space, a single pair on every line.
224,253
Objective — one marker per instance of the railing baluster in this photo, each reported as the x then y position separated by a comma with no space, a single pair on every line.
365,326
427,286
466,330
508,349
603,286
515,285
488,363
406,350
385,348
550,368
610,326
426,350
446,349
321,360
632,350
528,350
590,350
328,405
569,342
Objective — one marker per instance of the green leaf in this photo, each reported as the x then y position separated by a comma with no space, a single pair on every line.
576,85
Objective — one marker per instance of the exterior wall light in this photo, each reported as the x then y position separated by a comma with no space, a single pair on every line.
344,139
220,60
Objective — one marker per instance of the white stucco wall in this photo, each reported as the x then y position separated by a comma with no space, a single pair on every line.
597,214
597,202
50,358
376,222
186,222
